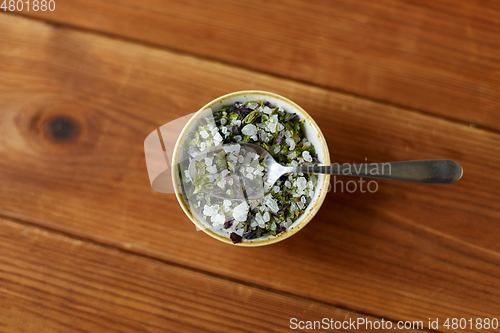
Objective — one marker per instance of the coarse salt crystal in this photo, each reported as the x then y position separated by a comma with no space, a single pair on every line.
271,203
288,184
301,183
249,130
307,156
212,169
240,212
266,217
267,110
218,219
218,139
259,220
204,134
221,183
272,127
210,210
232,148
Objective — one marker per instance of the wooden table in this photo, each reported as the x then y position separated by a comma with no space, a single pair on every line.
86,245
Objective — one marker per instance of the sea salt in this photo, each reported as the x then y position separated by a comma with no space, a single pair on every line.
272,204
204,134
217,139
267,213
301,184
307,156
260,220
212,169
249,130
218,219
272,127
232,148
300,205
266,217
221,183
240,212
210,210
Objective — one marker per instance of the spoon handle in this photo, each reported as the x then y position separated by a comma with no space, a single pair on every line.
422,171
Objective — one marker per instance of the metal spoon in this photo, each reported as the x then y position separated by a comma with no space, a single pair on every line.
420,171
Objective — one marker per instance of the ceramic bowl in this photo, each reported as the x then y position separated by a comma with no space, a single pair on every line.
313,134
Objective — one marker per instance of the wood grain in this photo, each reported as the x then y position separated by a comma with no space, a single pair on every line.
435,55
407,252
52,283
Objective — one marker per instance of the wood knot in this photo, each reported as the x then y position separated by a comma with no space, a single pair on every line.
61,128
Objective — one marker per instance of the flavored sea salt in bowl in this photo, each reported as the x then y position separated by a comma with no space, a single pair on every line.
312,134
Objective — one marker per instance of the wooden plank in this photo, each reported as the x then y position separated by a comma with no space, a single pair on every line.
435,56
407,252
52,283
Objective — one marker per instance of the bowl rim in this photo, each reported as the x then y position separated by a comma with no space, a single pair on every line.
306,217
